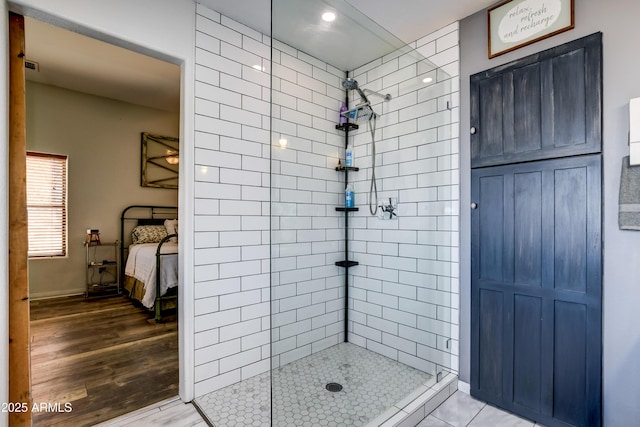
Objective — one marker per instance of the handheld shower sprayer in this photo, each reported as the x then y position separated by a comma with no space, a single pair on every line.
362,111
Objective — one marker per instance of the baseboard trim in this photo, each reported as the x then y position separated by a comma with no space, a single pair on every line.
56,294
464,387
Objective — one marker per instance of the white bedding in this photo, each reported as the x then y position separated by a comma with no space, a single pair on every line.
141,265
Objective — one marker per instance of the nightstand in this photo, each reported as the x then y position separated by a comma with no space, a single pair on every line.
103,268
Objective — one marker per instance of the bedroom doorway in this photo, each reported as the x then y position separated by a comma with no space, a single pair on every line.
102,337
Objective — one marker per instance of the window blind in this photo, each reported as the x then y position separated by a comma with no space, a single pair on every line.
47,204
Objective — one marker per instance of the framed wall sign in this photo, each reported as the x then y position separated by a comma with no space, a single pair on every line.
517,23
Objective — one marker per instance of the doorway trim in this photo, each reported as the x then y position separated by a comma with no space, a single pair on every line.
19,336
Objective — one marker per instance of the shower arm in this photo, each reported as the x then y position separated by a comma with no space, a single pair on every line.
386,97
350,84
362,95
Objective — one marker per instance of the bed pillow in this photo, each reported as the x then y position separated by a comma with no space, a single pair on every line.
148,234
172,228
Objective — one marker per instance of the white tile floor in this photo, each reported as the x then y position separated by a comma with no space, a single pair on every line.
458,410
462,410
372,384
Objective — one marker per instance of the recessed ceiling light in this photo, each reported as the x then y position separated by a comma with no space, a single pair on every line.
328,16
427,80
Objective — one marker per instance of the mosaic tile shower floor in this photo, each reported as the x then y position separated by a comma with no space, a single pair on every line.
371,384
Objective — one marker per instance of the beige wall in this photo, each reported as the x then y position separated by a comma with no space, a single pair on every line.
102,140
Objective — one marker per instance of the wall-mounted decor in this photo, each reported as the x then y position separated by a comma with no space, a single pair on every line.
160,157
517,23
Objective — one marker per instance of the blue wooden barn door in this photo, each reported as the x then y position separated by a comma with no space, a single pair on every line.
536,236
536,293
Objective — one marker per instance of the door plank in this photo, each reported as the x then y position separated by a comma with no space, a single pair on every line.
491,341
570,363
527,229
527,107
571,225
527,369
491,228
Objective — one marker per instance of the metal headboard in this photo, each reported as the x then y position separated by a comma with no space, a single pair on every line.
140,215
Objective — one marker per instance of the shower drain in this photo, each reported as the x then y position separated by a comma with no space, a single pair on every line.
333,387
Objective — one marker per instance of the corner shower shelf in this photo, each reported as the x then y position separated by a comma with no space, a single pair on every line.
347,168
347,126
346,263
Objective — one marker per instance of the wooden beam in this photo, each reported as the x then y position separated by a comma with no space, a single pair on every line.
19,363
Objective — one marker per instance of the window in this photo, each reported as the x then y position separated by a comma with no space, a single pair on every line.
47,204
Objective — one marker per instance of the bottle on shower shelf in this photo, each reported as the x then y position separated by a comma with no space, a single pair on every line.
343,119
348,158
348,197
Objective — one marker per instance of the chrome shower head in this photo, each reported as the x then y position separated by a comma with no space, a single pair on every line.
351,84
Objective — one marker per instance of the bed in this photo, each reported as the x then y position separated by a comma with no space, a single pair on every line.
149,236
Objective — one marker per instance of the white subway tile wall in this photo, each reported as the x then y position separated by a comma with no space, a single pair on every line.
266,231
308,234
232,202
403,297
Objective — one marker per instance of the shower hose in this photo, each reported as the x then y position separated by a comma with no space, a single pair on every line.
373,189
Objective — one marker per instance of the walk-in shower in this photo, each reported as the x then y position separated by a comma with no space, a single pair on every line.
362,305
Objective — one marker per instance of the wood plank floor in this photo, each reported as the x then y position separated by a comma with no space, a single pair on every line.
104,356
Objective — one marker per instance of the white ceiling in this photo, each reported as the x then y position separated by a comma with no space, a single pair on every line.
76,62
73,61
363,30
